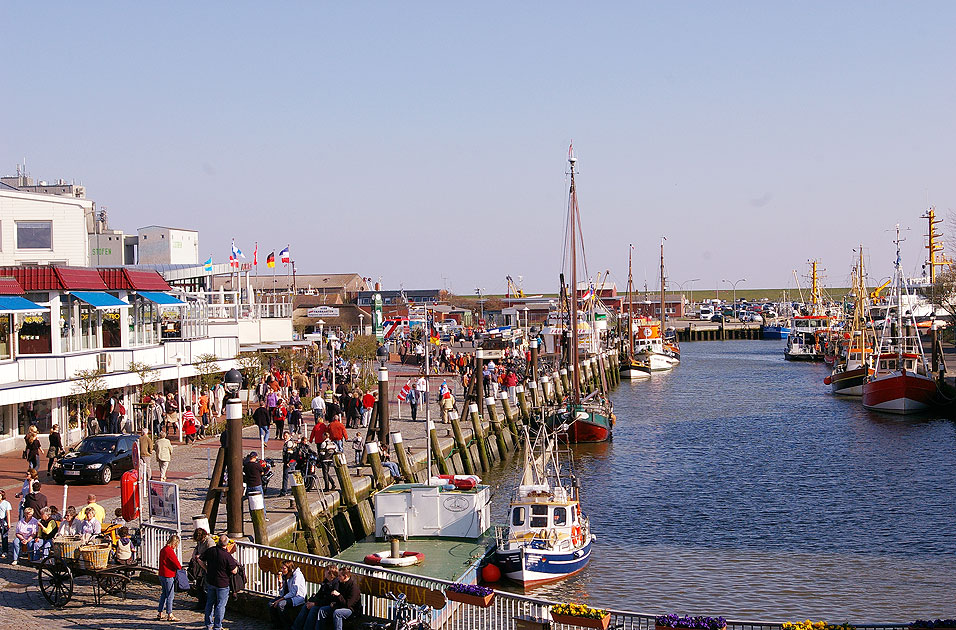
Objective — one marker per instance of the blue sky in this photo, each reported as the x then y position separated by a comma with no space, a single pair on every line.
425,143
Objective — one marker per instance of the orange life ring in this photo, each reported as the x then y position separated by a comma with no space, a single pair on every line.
576,537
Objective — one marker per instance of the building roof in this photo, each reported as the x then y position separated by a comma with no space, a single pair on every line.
56,278
165,227
133,279
10,286
282,281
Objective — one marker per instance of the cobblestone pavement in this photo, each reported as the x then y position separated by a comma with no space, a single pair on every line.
23,607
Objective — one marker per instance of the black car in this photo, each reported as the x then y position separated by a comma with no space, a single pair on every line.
97,458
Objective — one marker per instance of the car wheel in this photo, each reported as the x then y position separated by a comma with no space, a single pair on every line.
106,475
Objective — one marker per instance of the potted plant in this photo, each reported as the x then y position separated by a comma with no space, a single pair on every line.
815,625
581,616
470,594
692,623
936,624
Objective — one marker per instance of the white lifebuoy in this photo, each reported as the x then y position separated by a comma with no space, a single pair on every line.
385,559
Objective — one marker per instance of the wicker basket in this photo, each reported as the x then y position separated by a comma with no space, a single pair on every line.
67,547
95,556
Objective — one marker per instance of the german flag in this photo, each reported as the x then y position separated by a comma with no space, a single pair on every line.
271,259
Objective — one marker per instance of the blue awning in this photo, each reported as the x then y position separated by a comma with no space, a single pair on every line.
158,297
17,304
100,299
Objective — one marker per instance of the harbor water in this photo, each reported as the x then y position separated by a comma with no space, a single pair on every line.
737,485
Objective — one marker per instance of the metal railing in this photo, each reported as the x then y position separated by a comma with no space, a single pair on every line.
502,614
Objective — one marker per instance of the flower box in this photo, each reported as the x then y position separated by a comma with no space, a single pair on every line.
473,600
660,627
583,622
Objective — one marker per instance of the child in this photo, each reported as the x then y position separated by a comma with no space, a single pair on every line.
124,547
359,446
118,517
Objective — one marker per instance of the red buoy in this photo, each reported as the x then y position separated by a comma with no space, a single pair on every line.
490,573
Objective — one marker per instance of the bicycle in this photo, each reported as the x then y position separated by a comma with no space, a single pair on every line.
406,617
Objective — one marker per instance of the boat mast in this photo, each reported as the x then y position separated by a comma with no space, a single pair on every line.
814,289
630,307
663,312
899,302
572,226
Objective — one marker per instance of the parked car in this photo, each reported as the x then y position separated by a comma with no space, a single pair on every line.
717,317
97,458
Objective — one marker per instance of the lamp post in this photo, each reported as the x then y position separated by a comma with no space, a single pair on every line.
332,340
527,324
321,324
734,284
179,398
481,305
680,285
232,381
361,323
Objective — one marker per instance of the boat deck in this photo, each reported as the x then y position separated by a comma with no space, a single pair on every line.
445,558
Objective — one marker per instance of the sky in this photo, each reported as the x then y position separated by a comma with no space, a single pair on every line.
425,143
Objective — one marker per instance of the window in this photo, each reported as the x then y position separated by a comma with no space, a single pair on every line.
517,516
560,516
34,234
539,516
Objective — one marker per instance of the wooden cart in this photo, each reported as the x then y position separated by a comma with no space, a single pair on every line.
57,574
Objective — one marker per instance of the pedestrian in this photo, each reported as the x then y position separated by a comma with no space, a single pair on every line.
114,413
327,451
203,542
90,526
447,405
145,453
169,564
319,431
25,539
272,400
252,473
157,414
36,499
368,403
70,525
338,433
203,411
345,601
32,448
292,594
318,407
219,565
98,510
189,425
55,449
6,523
263,420
412,400
289,448
279,416
172,412
309,613
26,488
118,517
164,453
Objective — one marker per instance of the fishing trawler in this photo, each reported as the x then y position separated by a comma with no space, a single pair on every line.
589,418
631,368
651,347
850,374
548,537
901,382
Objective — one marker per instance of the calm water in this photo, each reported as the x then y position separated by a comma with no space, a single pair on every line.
737,485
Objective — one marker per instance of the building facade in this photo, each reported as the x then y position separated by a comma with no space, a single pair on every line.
42,229
159,245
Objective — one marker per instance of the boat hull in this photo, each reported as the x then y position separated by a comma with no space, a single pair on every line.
900,392
530,567
634,374
849,382
657,362
775,332
586,426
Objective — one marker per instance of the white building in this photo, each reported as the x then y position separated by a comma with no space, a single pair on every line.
42,229
160,245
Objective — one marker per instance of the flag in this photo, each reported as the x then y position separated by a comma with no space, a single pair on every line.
589,294
236,252
255,255
443,389
207,266
233,263
403,394
271,260
284,255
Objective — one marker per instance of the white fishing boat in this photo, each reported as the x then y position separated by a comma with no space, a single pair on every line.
548,537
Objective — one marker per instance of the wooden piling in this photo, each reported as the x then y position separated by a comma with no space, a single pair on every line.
479,435
496,426
523,406
304,514
464,457
257,513
437,456
362,520
565,382
210,507
401,456
559,392
509,417
374,457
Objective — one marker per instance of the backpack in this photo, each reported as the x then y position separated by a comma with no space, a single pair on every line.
121,408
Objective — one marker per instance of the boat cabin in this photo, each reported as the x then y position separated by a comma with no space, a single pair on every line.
893,362
545,518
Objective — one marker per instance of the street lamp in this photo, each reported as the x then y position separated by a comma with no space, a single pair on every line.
527,324
332,340
481,304
321,324
361,323
734,284
680,286
232,382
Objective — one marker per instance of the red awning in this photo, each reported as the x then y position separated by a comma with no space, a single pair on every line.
10,286
55,278
133,279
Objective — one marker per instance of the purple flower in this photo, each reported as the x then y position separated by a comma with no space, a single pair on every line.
471,589
938,623
696,623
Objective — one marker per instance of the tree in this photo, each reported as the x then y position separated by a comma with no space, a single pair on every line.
207,369
147,378
89,388
251,364
362,350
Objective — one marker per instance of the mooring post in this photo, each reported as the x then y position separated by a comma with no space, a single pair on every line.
509,415
534,358
479,435
565,383
545,390
523,404
464,456
346,489
437,457
375,461
304,513
401,454
559,392
535,396
479,376
496,426
383,430
257,512
210,508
